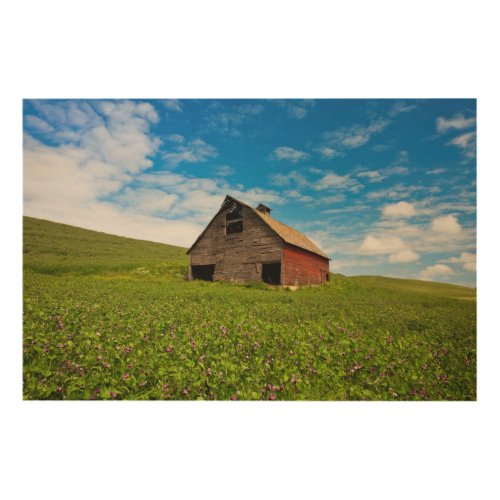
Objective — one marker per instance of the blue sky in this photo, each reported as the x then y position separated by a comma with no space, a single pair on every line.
385,187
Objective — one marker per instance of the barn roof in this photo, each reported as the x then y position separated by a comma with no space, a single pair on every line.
287,233
290,235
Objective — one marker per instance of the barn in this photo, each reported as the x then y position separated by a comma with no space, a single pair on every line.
246,244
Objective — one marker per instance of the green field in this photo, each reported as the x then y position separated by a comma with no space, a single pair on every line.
107,317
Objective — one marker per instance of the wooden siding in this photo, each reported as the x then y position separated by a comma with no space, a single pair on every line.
237,256
301,267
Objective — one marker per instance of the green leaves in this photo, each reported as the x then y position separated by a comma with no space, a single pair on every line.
332,342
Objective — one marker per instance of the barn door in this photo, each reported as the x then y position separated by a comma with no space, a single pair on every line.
205,272
271,273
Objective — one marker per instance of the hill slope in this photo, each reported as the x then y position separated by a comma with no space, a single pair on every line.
429,287
53,248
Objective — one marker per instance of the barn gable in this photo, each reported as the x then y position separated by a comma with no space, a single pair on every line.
235,254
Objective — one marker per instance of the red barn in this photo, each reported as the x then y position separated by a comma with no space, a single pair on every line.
246,244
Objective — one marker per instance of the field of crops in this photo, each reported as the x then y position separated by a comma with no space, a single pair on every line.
113,318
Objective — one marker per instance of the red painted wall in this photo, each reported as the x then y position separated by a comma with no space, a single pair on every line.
302,267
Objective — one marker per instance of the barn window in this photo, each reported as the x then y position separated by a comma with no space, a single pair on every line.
234,218
234,227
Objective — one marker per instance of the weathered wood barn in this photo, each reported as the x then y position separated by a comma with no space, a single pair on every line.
245,244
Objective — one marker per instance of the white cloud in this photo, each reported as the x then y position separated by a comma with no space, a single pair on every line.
250,109
396,170
334,181
292,177
436,271
430,207
435,171
467,143
175,138
467,259
404,256
224,170
347,209
350,265
200,198
297,108
396,191
397,167
316,171
422,238
329,199
109,147
355,136
172,104
403,157
146,200
228,119
36,123
401,107
81,115
194,151
297,195
372,175
327,153
457,122
378,148
290,154
447,224
400,209
375,245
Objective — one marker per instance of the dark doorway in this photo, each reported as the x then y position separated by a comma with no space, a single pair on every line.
205,273
271,273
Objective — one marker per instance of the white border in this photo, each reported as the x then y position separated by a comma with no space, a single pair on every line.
254,49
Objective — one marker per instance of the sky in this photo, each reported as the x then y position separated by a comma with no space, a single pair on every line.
384,187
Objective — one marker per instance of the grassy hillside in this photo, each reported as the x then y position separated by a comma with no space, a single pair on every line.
417,286
52,248
113,318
